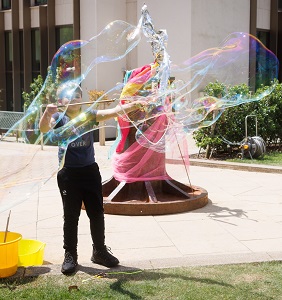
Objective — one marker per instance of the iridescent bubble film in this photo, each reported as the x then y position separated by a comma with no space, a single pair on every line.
176,104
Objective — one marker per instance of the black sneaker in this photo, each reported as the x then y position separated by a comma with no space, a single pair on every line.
104,257
69,265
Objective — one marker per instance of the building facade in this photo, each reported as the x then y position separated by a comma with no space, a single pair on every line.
32,30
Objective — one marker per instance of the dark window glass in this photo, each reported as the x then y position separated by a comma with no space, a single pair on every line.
35,74
280,5
21,51
22,89
63,35
9,72
264,37
6,4
262,56
35,50
35,53
21,66
40,2
8,50
9,91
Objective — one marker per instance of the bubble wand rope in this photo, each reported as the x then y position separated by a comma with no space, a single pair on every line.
184,162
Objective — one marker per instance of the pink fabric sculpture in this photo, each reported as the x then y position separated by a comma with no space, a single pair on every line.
138,163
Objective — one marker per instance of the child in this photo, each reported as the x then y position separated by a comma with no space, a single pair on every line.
80,180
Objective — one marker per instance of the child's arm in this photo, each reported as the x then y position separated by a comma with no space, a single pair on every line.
47,122
106,114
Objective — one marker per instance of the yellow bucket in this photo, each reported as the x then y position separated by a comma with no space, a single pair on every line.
9,253
31,253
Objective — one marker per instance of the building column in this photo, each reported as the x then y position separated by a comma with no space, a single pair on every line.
273,26
27,46
3,105
253,17
253,31
279,44
51,30
76,19
17,105
43,40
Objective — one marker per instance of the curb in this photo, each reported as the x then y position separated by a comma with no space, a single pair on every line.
229,165
236,166
154,264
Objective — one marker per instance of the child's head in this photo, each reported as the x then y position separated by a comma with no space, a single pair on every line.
69,91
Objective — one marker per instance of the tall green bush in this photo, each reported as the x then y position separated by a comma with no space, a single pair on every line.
269,112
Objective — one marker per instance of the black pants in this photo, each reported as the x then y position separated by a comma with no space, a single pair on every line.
77,185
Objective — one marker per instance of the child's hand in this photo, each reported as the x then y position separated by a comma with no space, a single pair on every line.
140,104
51,109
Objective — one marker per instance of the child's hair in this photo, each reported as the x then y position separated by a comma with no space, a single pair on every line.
68,90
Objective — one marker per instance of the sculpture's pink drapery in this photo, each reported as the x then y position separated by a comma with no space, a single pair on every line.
138,163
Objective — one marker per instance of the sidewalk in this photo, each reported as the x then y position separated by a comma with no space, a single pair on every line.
241,223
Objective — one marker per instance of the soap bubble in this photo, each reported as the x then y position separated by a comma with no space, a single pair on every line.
176,102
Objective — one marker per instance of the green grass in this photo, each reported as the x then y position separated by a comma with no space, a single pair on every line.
272,159
260,281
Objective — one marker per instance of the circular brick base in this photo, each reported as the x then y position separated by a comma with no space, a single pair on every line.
151,198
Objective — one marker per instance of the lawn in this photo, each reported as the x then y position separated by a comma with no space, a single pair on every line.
271,158
240,281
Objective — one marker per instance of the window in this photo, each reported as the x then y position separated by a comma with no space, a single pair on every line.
35,52
40,2
21,51
9,71
279,5
264,37
6,4
63,35
262,56
21,66
8,50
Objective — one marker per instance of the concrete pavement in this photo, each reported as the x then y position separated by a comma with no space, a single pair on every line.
241,223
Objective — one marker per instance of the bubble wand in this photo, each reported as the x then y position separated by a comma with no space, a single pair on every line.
7,225
88,102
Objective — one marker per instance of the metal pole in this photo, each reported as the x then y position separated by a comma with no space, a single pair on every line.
246,124
102,134
41,134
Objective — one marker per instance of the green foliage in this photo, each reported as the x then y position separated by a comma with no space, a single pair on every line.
205,136
47,94
41,92
215,89
229,129
35,88
269,113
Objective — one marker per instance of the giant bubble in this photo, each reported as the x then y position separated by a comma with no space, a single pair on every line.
175,102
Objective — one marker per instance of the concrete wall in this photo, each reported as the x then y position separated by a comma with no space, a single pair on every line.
64,12
175,17
104,76
213,21
8,20
192,26
263,14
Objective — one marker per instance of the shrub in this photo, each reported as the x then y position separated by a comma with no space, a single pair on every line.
229,130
